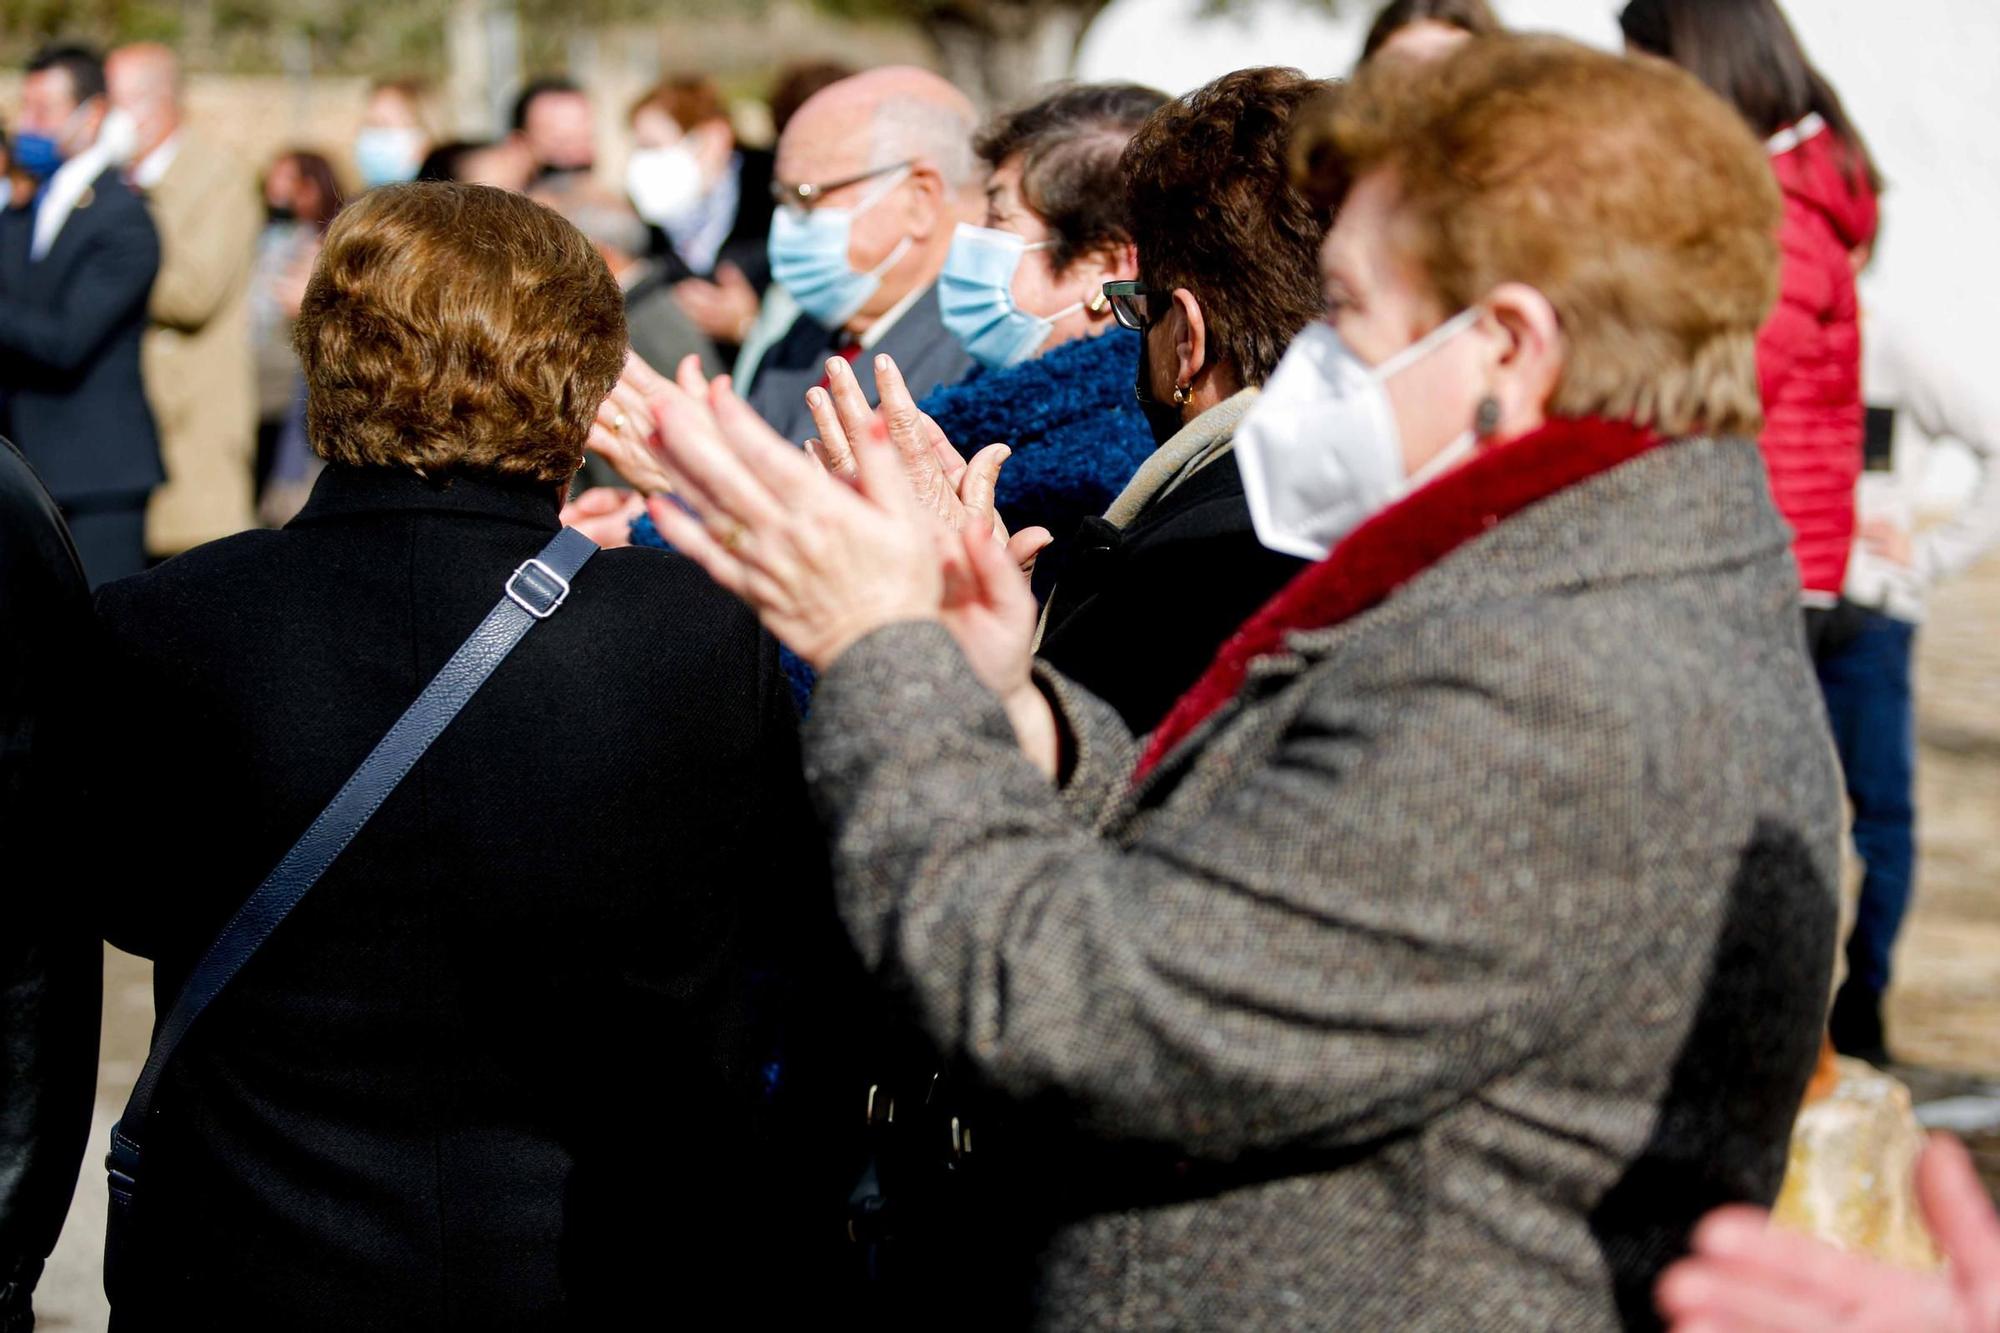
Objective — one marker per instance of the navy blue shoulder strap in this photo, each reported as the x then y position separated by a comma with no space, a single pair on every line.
532,594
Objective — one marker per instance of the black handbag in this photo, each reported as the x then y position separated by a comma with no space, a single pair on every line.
531,595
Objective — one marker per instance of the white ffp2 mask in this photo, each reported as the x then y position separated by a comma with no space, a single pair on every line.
1320,453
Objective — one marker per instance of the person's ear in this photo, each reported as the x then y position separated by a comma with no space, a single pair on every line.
1190,338
1526,358
924,214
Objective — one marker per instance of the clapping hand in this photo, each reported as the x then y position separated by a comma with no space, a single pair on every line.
958,492
1749,1277
826,561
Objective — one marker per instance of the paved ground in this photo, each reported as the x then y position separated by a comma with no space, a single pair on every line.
1944,1016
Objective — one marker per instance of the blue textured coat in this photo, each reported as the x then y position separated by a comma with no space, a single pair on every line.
1077,432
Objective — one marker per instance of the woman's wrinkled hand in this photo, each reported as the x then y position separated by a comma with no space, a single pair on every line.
624,433
1748,1277
824,563
958,492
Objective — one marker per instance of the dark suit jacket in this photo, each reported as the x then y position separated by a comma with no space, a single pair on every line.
1137,616
505,1067
70,325
49,955
927,355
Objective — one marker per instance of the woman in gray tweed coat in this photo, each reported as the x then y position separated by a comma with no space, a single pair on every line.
1465,933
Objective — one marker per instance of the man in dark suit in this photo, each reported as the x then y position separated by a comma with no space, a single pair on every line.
76,269
891,150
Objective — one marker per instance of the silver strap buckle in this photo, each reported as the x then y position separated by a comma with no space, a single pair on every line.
560,583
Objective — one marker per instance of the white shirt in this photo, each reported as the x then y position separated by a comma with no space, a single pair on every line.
154,165
1940,390
60,195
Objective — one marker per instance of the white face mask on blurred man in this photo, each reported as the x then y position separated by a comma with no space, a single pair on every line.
665,183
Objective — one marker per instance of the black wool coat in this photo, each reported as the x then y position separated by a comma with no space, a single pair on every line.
511,1064
1137,615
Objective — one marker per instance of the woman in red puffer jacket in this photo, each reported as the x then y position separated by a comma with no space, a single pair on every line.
1809,352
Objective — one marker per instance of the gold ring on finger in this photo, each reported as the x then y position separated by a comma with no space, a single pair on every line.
732,540
618,422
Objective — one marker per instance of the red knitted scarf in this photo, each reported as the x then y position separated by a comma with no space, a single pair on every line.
1398,544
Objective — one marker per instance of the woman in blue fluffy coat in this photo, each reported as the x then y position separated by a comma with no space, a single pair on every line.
1024,293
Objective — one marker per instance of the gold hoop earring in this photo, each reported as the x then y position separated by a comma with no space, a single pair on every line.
1183,392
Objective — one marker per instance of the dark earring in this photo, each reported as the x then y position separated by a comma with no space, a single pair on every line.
1183,392
1486,418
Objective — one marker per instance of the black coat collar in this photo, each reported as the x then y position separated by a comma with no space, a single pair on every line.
345,492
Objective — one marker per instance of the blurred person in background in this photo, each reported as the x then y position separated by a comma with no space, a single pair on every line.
872,176
708,199
1809,353
394,136
656,330
1227,275
301,195
1024,293
199,368
51,963
1922,388
417,1106
1426,29
75,274
552,124
504,164
1463,937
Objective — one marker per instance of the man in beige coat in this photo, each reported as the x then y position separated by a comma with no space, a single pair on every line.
196,357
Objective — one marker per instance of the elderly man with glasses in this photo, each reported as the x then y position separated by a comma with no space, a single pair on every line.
873,174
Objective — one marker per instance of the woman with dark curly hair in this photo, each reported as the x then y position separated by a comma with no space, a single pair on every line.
421,1102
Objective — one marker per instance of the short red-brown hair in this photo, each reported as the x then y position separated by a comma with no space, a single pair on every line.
1629,195
457,329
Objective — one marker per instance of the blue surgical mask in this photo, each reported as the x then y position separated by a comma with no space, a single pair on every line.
809,256
385,155
37,155
976,297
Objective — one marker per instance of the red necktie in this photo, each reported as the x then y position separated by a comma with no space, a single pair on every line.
850,352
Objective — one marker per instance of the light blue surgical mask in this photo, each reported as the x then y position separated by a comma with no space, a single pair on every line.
386,155
976,297
809,256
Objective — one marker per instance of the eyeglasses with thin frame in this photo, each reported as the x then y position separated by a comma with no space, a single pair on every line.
1132,303
810,195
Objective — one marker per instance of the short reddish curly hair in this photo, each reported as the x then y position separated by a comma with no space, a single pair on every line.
1629,195
457,329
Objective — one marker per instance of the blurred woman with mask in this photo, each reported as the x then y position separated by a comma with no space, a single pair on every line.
1463,936
1024,294
392,142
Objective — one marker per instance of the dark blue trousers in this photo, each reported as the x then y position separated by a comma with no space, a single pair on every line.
1866,681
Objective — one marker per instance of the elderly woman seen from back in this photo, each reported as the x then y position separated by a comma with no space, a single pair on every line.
422,1101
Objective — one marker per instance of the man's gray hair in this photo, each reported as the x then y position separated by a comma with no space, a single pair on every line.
911,128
